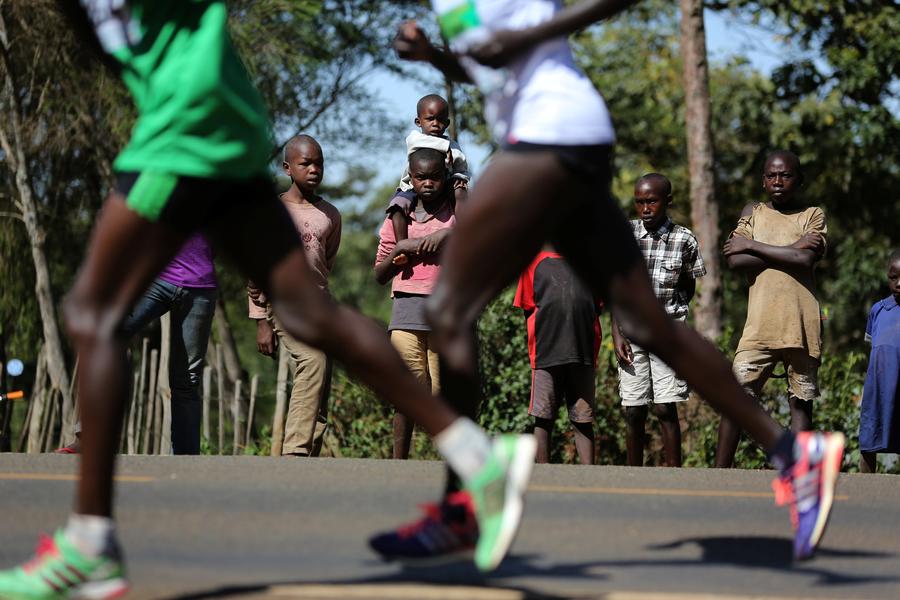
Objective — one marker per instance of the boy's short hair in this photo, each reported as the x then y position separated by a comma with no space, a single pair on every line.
428,155
784,154
894,257
656,178
296,141
430,98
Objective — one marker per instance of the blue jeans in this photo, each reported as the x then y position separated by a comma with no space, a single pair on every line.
192,314
192,311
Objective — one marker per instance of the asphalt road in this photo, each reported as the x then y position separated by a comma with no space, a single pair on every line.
217,527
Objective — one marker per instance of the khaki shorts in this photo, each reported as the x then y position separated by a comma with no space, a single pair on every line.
754,367
649,380
573,383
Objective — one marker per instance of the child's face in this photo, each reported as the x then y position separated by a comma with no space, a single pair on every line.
434,118
305,166
428,178
894,279
651,202
781,179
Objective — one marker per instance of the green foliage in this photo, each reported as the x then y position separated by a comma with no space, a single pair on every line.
841,381
859,41
352,281
262,446
506,375
360,421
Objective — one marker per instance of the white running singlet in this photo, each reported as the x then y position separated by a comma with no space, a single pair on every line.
551,101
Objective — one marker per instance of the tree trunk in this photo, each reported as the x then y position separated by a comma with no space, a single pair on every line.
13,146
50,425
38,401
704,209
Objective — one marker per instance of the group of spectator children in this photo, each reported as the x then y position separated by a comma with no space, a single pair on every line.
776,244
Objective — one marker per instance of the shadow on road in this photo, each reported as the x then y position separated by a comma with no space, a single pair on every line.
460,573
763,553
748,552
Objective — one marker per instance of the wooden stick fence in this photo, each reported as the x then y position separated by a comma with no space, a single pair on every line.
148,413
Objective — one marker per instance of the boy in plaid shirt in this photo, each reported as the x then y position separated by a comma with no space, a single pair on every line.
673,259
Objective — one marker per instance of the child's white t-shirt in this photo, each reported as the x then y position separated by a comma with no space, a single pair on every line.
459,167
553,101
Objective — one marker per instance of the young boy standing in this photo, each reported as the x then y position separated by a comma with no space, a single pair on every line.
551,182
197,160
777,244
673,259
319,224
563,325
412,281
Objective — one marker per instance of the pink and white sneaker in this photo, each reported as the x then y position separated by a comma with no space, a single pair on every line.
808,487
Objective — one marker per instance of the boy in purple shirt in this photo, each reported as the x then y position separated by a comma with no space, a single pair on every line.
187,289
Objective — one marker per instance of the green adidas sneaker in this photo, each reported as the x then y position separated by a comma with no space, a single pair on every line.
497,491
59,570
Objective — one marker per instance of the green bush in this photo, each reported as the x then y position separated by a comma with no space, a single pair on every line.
362,424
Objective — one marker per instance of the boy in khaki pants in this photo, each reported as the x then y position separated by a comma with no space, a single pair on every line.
319,225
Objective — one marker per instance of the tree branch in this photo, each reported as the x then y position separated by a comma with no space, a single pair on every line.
339,87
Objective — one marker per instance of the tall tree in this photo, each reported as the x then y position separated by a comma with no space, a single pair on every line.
704,209
30,82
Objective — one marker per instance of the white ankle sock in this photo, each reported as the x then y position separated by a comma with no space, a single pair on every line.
91,534
465,446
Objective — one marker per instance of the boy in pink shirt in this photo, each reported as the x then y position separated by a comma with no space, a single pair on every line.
319,224
429,224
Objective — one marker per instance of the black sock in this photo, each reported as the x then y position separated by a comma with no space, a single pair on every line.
782,455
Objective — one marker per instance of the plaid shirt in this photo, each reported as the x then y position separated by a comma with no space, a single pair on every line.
671,252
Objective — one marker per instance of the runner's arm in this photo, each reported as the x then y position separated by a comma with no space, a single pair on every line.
411,43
